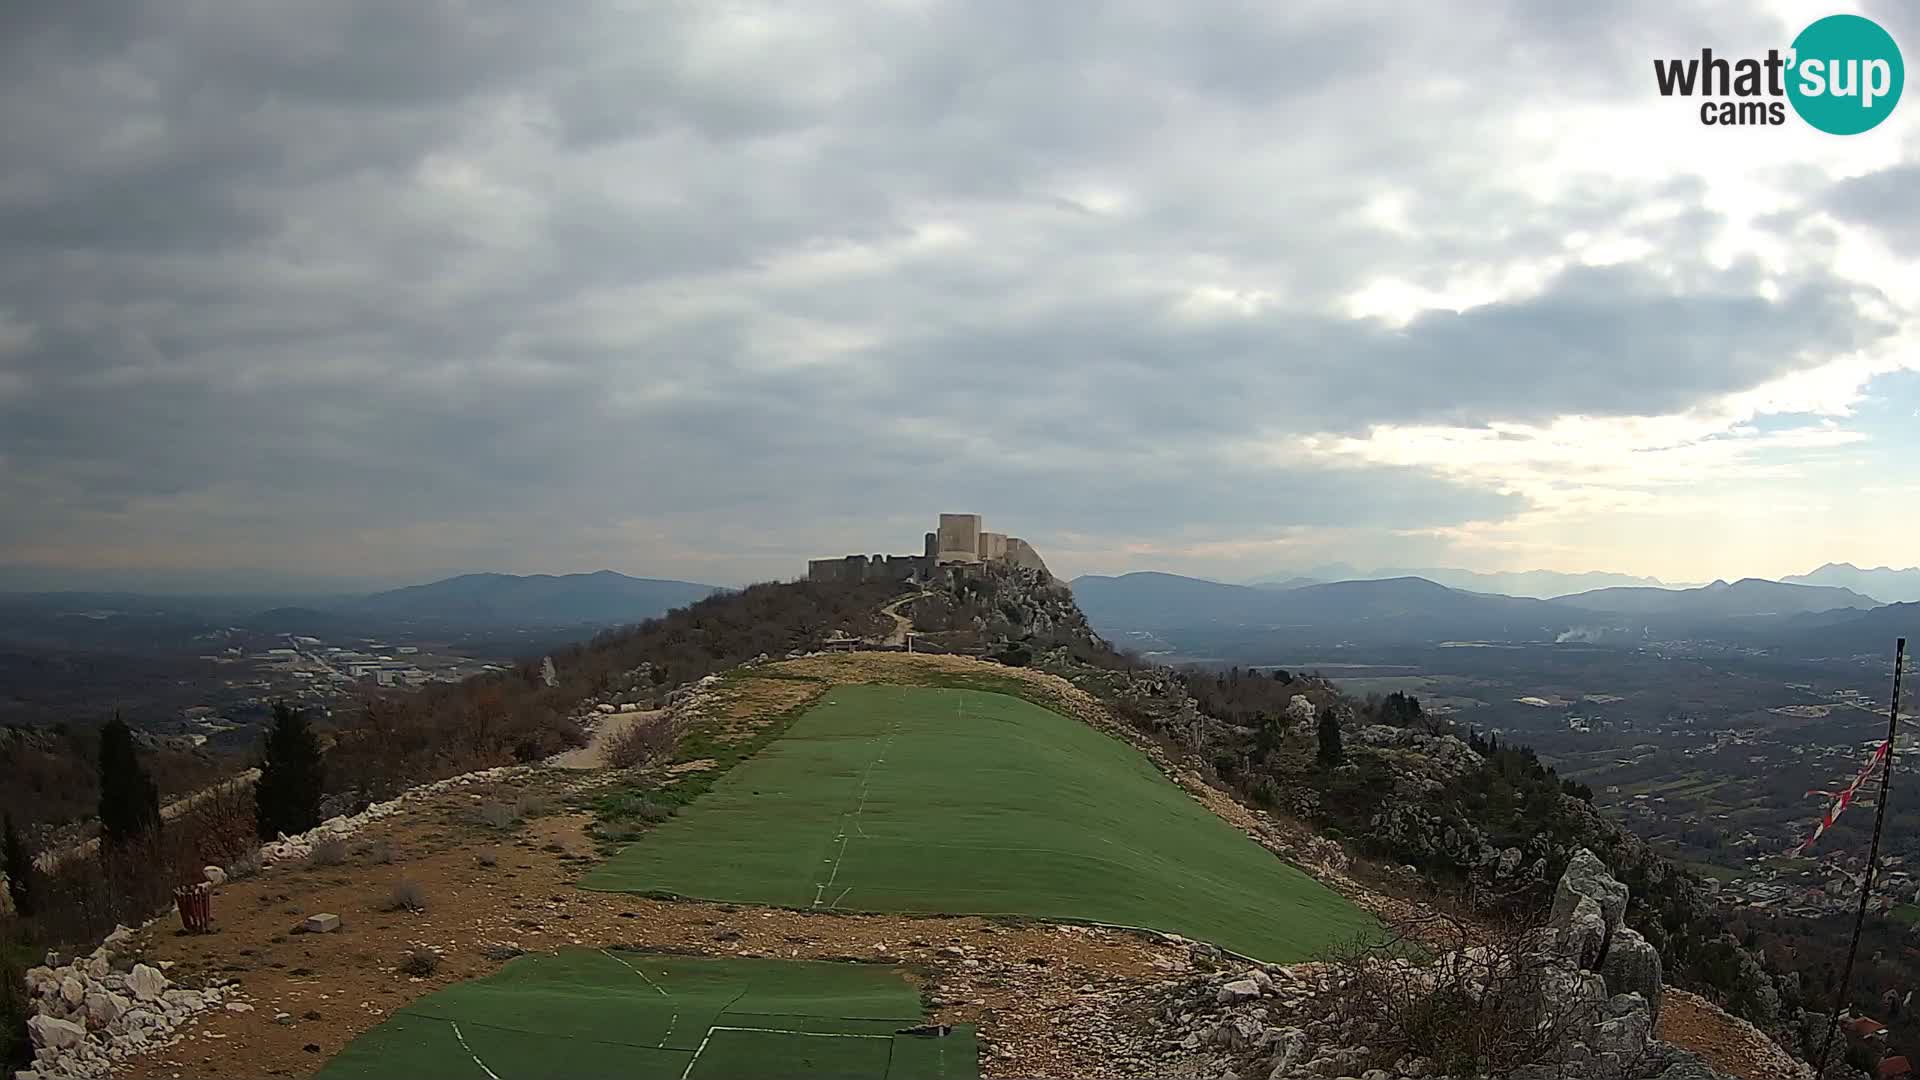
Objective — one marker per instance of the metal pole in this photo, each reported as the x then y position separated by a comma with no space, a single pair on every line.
1873,853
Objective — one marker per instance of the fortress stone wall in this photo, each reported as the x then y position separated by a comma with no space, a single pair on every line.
959,541
858,568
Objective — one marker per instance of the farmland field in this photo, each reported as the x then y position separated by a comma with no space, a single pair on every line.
913,799
654,1017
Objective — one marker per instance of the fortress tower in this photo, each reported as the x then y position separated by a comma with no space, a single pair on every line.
959,538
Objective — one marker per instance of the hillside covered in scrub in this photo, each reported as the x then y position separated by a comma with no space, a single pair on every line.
1427,810
1376,793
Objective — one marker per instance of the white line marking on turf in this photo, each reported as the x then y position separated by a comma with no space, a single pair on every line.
636,971
688,1071
866,779
672,1020
470,1053
808,1034
698,1050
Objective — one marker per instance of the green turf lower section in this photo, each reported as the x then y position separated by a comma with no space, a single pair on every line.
644,1016
772,1056
889,798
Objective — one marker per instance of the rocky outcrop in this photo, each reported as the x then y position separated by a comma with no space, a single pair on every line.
1588,979
99,1010
1589,916
1632,966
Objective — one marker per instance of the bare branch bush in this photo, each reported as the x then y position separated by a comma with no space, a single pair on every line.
643,743
1471,999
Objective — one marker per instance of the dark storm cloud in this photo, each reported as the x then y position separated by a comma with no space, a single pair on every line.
318,271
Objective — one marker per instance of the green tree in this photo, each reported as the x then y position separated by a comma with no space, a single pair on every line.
1267,730
1400,710
1330,752
286,798
129,803
18,862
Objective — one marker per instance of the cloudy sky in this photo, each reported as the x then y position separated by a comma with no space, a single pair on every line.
365,291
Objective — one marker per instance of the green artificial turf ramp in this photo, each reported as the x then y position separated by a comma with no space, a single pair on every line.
646,1016
891,798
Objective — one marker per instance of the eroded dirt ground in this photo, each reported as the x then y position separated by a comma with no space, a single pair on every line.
313,993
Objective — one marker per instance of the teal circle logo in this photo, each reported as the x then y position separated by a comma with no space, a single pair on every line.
1846,74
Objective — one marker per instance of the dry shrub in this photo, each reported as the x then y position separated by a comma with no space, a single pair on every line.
407,895
494,815
378,852
1472,1000
420,962
83,897
220,823
398,740
330,851
487,858
531,805
642,743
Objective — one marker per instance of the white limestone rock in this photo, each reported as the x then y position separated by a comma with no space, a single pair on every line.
55,1034
146,982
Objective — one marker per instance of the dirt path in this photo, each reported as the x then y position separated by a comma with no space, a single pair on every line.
902,625
612,726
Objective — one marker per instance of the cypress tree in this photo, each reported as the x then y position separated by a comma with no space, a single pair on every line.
129,802
19,866
286,798
1330,751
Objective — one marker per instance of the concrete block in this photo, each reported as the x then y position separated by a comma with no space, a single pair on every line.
323,923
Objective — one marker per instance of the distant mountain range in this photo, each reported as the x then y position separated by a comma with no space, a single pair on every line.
1882,584
1150,600
534,599
1870,632
1752,611
1407,607
1748,596
1887,585
1538,584
470,602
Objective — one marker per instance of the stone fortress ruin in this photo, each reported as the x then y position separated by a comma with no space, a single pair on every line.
958,542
